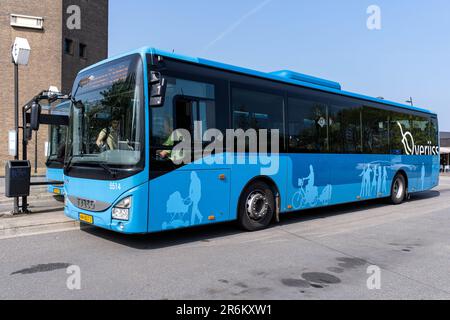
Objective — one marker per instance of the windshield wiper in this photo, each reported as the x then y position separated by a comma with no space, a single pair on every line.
103,165
112,172
69,163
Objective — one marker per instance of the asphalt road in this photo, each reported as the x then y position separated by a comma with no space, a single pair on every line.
318,254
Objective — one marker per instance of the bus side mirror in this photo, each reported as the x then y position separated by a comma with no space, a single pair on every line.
35,116
158,86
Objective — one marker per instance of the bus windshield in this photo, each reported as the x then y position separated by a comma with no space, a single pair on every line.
57,138
57,144
106,122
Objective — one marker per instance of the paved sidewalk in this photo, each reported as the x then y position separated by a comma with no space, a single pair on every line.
47,215
25,225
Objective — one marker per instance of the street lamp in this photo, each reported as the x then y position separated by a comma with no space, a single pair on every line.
20,56
410,101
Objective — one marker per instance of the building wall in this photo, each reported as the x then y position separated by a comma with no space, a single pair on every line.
445,139
44,67
445,143
93,34
48,64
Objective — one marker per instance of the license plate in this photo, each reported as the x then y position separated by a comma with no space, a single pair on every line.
86,218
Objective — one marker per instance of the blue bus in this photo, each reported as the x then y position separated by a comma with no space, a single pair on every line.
316,145
56,149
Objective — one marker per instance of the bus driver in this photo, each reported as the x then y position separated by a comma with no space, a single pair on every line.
108,139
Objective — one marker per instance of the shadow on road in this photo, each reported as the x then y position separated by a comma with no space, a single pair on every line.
210,232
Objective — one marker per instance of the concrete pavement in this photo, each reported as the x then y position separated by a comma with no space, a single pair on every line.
317,254
47,214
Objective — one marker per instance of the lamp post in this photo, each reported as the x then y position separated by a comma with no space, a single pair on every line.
410,101
20,56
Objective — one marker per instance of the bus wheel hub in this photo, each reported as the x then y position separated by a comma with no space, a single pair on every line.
257,205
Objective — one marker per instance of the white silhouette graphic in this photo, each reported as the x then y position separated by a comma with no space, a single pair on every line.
380,180
195,194
374,180
178,207
308,193
423,177
374,187
365,185
384,181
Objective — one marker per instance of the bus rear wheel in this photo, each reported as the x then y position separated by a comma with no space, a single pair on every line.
256,207
398,190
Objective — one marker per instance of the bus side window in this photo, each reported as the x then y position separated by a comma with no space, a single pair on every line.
258,110
376,131
421,130
186,103
434,132
195,115
345,129
399,122
308,126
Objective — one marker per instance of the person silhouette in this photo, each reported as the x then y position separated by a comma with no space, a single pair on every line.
385,179
364,181
195,195
423,176
311,178
380,180
367,180
374,181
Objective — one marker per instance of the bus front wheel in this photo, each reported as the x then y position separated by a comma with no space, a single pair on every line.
256,207
399,189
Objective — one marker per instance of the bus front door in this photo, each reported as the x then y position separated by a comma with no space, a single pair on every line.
192,193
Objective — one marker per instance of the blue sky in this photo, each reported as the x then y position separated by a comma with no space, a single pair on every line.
409,56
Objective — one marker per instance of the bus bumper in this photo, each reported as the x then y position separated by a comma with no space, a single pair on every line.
138,216
56,190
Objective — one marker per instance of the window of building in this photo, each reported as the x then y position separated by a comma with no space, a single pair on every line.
307,126
23,21
83,51
68,46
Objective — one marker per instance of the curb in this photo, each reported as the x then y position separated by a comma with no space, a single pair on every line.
28,225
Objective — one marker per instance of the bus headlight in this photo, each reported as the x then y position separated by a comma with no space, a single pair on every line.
122,210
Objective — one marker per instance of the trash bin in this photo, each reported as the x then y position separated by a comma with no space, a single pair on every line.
17,179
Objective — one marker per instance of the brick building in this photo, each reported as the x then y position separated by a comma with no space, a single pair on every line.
445,139
65,36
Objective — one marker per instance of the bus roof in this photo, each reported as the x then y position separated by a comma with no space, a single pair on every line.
284,76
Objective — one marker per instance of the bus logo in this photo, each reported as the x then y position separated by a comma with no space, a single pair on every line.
412,149
86,204
407,140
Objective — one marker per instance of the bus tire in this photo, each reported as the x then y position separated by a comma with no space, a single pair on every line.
398,189
256,207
